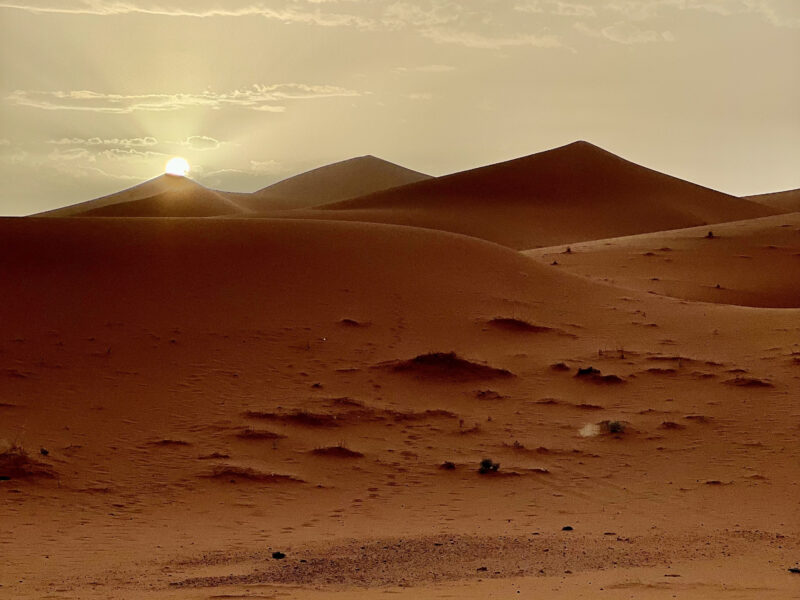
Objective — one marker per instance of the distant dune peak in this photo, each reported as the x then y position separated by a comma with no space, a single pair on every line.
343,180
168,195
574,192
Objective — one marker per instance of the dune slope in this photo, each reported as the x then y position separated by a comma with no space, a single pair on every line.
750,263
577,192
332,183
185,397
788,201
164,196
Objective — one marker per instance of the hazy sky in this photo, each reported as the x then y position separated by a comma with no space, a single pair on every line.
96,95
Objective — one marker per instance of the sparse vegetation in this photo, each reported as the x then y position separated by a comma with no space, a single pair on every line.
446,365
16,463
615,427
233,473
488,466
338,451
259,434
517,325
302,418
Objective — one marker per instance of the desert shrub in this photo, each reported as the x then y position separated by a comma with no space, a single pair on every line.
488,466
616,427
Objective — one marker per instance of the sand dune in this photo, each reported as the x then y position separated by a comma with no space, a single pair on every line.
788,201
332,183
164,196
749,263
373,367
573,193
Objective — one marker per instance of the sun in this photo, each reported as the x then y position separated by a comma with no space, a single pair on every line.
177,166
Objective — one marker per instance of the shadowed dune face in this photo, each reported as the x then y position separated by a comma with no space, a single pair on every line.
574,193
747,263
164,196
788,201
250,272
577,192
175,196
332,183
446,365
178,203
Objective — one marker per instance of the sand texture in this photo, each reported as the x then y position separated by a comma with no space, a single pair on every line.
244,407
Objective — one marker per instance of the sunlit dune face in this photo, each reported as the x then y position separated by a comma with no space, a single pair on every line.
177,166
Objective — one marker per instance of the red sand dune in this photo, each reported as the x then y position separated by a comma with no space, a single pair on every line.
788,201
573,193
749,263
164,196
332,183
137,351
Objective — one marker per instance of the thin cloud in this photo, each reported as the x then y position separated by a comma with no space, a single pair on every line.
556,7
628,33
427,69
415,15
257,97
201,143
96,141
290,13
471,39
779,13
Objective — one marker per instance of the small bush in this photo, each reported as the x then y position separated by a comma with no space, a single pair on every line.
616,427
488,466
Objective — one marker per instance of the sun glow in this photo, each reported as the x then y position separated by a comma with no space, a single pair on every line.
177,166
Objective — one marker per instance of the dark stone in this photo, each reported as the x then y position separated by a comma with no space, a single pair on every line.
587,371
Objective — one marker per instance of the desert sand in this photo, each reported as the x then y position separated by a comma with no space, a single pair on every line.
164,196
243,407
338,182
750,263
783,201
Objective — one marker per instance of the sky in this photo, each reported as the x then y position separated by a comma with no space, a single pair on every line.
97,95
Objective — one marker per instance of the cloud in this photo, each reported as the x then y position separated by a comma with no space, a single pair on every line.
624,32
471,39
253,167
556,7
257,97
264,166
414,14
129,154
427,69
290,12
96,141
467,16
201,143
779,13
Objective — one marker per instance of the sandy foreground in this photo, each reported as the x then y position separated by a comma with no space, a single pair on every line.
181,398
